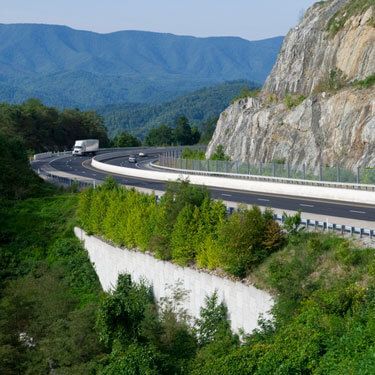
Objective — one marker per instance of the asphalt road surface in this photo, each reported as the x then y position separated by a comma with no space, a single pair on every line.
80,166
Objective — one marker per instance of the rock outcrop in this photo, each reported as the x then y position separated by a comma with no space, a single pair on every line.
310,109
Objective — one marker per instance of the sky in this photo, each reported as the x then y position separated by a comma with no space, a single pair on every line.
249,19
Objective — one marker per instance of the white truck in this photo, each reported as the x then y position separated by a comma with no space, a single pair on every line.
85,147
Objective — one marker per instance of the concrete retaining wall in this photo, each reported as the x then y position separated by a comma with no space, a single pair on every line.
333,194
246,304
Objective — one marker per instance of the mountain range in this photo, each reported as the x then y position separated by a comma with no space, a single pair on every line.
66,67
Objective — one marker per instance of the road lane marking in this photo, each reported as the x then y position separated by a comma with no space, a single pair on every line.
226,195
306,205
357,212
263,200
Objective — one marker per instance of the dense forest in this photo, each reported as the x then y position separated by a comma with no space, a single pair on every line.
199,107
54,317
43,128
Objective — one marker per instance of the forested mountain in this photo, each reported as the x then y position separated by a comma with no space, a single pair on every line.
67,67
199,107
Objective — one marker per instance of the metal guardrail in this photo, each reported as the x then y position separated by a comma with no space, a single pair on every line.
228,169
66,181
50,154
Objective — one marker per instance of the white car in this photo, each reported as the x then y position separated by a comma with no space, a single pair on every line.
142,155
132,159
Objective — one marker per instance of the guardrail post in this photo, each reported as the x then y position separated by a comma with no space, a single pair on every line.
361,232
352,230
371,233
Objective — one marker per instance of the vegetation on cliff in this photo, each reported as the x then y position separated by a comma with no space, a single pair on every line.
351,9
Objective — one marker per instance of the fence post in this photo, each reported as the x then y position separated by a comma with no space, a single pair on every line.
304,171
273,169
338,173
320,172
358,175
288,166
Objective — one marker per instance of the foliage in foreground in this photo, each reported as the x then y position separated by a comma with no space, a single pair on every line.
52,318
48,290
186,226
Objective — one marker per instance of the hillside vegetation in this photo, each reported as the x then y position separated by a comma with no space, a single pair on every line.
72,68
199,107
324,285
43,128
55,319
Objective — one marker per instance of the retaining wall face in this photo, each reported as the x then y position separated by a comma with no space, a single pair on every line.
246,304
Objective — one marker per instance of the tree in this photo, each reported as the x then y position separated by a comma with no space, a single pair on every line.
213,320
121,313
183,132
125,139
161,136
219,154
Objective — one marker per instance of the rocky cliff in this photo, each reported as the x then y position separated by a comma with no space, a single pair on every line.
318,104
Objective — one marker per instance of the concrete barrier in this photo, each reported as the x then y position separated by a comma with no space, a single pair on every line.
246,304
306,191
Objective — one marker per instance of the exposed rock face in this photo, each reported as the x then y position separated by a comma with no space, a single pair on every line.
327,127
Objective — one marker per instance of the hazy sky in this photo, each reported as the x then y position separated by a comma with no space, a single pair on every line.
250,19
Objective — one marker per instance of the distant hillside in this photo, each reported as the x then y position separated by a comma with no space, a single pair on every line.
68,67
199,107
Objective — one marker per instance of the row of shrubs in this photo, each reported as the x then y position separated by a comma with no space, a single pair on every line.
185,226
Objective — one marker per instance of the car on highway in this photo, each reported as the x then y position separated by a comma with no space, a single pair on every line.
142,154
132,159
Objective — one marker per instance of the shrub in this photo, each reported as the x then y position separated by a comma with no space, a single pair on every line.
293,100
366,83
188,153
242,240
219,154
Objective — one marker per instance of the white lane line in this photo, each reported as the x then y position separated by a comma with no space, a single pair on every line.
357,212
306,205
226,195
263,200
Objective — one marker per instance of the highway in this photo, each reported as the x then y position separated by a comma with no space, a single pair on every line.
81,166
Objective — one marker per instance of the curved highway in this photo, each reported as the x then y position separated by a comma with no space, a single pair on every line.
81,166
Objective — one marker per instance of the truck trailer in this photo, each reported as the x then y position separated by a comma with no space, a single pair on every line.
85,147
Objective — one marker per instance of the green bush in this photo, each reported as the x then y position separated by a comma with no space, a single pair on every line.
366,83
293,100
